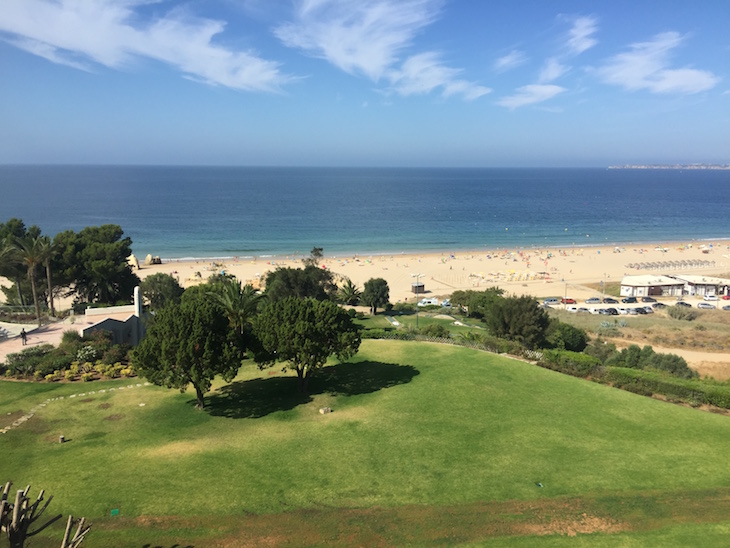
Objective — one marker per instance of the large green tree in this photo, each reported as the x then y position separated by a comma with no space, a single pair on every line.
311,281
304,333
10,267
476,303
375,293
518,319
188,343
93,263
160,289
349,293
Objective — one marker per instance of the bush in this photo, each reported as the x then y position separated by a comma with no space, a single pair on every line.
404,307
564,336
87,353
71,337
87,377
681,313
436,331
69,375
572,363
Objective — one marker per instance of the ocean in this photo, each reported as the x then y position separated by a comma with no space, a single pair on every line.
186,212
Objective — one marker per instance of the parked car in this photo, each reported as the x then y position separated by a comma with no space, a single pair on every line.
551,300
572,309
628,300
582,310
659,306
640,310
593,300
649,310
567,301
706,305
726,297
648,300
612,311
710,297
726,307
428,302
610,300
446,303
603,312
632,311
684,304
623,311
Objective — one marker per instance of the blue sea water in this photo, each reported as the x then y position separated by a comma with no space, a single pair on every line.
177,212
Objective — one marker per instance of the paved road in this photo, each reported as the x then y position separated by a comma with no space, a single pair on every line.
10,335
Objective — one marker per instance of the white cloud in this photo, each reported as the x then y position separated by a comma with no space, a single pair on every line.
368,37
358,36
529,95
513,59
646,66
580,36
110,33
552,70
422,73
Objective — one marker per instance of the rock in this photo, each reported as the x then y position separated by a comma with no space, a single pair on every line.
324,410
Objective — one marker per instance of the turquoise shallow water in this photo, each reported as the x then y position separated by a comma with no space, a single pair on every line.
180,212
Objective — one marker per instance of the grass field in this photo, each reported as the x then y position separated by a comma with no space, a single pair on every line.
427,444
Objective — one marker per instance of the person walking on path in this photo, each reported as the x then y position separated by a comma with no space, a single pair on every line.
24,336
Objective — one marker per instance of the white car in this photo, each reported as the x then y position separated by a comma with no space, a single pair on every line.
623,311
706,306
710,297
573,309
428,302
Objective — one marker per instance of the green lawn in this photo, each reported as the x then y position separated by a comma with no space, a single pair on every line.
415,425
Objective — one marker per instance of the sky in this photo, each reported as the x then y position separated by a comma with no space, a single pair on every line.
387,83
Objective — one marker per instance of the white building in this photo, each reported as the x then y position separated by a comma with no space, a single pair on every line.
651,285
704,285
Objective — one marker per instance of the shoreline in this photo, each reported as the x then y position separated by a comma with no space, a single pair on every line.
539,271
294,256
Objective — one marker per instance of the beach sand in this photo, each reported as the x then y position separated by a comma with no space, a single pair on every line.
541,272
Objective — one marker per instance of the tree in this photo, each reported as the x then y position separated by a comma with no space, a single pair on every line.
375,293
188,343
567,337
349,293
305,333
311,281
518,319
160,289
47,252
476,303
31,255
94,263
11,268
241,304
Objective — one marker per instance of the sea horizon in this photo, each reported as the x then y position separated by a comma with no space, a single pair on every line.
207,212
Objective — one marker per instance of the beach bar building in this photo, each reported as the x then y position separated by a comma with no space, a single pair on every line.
651,286
704,285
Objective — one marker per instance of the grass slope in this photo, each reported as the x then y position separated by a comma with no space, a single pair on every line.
414,425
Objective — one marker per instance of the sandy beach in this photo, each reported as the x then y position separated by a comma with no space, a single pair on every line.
541,272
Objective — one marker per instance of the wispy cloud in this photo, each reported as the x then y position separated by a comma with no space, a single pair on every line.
513,59
580,36
647,66
424,72
552,70
369,37
111,33
530,95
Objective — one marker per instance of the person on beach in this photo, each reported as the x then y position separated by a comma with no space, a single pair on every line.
23,336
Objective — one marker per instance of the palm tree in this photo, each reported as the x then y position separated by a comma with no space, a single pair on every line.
349,294
30,255
9,264
47,252
241,304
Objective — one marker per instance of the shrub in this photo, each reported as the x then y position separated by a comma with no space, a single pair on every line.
567,337
127,371
573,363
86,377
50,377
435,330
681,313
69,375
25,362
70,337
404,307
37,375
86,353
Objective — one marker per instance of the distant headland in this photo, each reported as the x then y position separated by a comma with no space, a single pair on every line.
672,166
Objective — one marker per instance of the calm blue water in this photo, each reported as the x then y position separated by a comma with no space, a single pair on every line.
179,212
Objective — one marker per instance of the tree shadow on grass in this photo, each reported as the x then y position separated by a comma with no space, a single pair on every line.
259,397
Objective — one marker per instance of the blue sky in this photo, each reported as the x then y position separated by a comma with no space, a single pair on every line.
365,82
